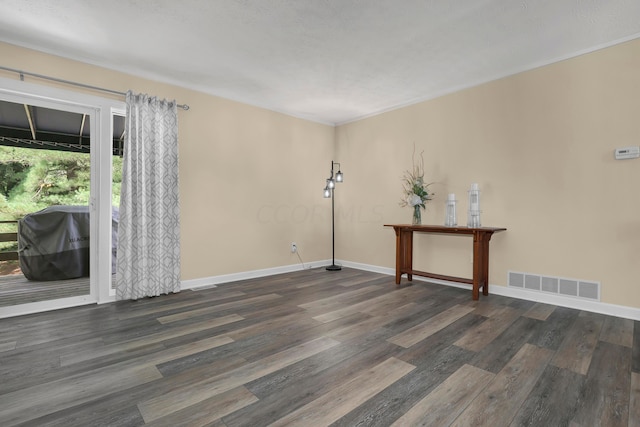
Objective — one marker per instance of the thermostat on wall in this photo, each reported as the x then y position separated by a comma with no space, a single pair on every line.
627,153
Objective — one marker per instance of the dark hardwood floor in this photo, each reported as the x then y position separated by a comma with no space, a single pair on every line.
316,348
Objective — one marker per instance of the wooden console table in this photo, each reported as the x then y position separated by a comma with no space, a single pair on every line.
481,237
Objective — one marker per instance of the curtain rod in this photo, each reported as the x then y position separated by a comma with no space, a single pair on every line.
55,79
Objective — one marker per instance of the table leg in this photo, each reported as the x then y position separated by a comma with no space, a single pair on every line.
480,263
485,263
477,265
398,255
407,259
404,253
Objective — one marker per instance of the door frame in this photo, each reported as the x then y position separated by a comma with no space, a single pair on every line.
101,111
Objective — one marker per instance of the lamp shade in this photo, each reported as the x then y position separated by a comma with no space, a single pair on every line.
339,176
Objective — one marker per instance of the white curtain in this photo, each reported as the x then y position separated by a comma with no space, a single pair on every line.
148,256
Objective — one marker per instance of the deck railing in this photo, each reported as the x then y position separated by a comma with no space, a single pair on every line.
9,237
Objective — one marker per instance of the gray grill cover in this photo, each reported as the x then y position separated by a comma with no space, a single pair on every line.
53,244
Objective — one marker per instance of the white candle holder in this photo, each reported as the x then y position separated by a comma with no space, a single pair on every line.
473,217
451,218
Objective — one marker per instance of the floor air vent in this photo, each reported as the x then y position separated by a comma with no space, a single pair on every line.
555,285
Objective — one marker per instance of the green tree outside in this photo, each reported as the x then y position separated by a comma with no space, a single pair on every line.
33,179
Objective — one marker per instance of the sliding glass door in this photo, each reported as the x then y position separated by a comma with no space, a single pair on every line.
45,164
56,153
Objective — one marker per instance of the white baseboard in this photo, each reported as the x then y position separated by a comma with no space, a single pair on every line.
579,304
201,283
212,281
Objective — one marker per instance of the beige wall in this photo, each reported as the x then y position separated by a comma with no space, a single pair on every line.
540,144
250,179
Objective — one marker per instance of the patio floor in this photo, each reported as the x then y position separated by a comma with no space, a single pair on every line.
16,289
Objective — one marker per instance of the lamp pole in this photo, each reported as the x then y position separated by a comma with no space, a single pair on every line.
328,192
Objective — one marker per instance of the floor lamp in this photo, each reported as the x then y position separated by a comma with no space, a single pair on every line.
328,193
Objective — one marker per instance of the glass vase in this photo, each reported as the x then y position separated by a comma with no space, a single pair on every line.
417,215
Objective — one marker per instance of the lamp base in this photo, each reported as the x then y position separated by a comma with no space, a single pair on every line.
334,267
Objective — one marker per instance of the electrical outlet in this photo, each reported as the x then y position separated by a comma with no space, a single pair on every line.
294,247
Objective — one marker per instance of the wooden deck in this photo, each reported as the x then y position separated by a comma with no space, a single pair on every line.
16,289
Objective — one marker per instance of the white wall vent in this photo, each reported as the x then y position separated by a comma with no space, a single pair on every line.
575,288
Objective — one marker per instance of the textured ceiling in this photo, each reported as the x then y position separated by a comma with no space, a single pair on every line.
331,61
